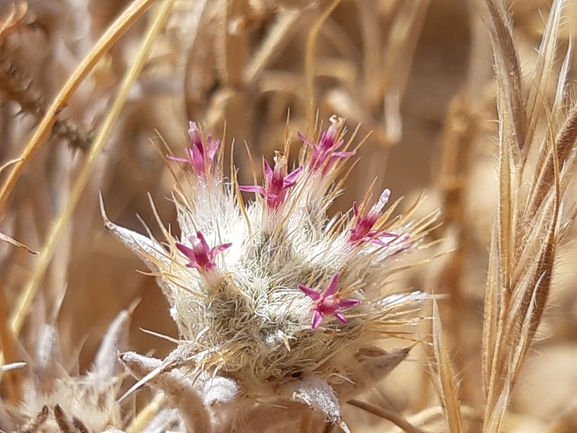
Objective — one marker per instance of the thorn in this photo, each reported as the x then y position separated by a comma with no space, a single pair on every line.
103,211
133,305
161,336
130,363
343,425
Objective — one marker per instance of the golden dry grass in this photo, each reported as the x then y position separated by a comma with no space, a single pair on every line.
472,103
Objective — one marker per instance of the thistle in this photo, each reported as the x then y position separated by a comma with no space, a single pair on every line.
275,305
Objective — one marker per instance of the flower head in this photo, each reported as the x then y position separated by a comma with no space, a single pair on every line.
363,229
200,155
328,302
246,325
201,256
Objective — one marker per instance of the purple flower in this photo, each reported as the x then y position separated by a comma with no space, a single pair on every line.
276,182
324,153
201,256
199,155
363,229
328,302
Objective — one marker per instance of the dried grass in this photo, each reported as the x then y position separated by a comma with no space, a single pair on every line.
89,90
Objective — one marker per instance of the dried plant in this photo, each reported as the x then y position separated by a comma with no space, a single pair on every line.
15,86
533,169
282,307
54,400
529,225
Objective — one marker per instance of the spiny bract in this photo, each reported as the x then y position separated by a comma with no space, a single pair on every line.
273,296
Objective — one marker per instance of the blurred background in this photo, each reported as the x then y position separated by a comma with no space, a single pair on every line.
415,76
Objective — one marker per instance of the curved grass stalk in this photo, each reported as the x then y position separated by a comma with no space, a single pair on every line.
115,31
31,289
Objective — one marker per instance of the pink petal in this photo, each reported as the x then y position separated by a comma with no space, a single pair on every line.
310,292
305,140
175,158
220,249
344,154
202,240
332,287
291,178
317,319
340,318
188,252
348,303
213,147
252,188
268,172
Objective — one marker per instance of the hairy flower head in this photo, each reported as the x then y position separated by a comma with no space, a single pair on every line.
254,287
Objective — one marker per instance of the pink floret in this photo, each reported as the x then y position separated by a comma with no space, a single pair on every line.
328,302
201,256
